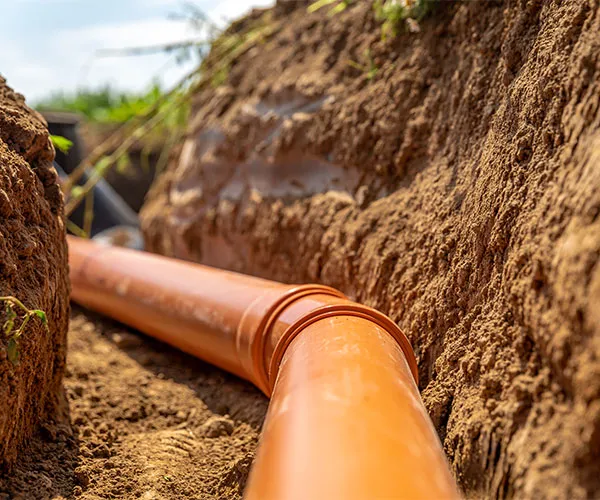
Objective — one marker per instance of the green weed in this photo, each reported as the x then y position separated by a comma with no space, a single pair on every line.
340,6
61,143
14,332
156,118
369,67
392,13
108,106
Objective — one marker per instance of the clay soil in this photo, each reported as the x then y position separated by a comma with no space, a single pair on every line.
146,422
33,268
449,177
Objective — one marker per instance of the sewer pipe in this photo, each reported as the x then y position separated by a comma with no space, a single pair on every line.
345,420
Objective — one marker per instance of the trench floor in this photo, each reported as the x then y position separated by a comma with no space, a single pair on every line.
142,421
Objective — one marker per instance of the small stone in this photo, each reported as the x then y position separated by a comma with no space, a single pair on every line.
145,359
217,426
82,477
362,196
101,451
126,340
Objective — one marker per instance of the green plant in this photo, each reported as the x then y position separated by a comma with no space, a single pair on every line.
156,118
336,9
10,328
369,67
61,143
392,13
107,106
167,112
85,102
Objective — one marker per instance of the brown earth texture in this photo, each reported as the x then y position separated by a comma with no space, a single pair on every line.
145,421
33,269
448,176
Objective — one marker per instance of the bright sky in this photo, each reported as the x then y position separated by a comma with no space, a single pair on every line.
48,45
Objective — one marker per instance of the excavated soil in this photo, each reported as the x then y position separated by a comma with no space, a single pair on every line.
33,268
147,422
449,177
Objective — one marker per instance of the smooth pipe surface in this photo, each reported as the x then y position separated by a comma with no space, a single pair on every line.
345,419
347,416
192,307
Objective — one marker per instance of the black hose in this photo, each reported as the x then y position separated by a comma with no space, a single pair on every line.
109,208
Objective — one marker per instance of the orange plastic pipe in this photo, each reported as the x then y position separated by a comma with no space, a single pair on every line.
345,420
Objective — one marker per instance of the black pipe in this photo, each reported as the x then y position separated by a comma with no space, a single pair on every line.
109,208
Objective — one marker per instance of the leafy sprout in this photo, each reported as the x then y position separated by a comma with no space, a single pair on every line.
14,331
369,67
392,13
340,6
61,143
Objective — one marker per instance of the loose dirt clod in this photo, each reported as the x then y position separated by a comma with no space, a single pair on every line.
217,427
33,269
456,188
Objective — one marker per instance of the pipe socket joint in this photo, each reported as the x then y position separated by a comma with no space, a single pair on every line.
277,317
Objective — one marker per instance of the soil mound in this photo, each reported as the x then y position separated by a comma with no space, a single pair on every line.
33,269
448,177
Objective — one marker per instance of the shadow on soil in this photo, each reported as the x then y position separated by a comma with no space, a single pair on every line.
223,393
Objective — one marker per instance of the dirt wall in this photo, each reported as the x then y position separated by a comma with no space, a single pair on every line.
448,177
33,268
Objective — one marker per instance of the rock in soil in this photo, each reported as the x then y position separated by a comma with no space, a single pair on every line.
147,422
33,269
449,177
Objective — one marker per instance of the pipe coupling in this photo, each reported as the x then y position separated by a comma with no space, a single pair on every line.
278,316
